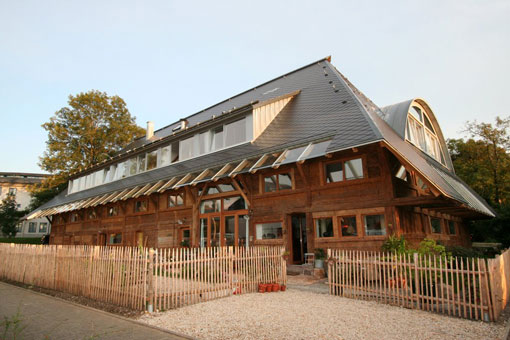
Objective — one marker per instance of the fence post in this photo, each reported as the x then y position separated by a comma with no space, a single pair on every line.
416,281
329,272
231,268
150,281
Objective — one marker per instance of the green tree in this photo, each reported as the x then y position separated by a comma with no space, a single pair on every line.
92,128
9,215
483,162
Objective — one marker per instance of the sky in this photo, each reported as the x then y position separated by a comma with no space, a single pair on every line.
170,59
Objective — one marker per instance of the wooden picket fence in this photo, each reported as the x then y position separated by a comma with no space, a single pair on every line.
470,288
143,278
190,275
116,275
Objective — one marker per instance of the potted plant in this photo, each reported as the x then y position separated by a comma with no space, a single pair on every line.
276,287
283,288
262,288
320,255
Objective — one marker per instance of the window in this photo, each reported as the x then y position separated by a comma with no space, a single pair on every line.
175,200
19,226
451,227
112,211
348,226
234,203
268,231
185,237
141,206
278,182
43,227
235,132
152,160
209,206
324,227
402,173
115,238
204,143
435,225
186,148
165,156
141,163
32,227
75,217
217,138
375,225
421,133
92,214
12,191
344,171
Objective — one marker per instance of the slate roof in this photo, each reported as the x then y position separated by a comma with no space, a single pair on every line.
327,106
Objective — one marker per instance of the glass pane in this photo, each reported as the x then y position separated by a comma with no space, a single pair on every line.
203,232
435,225
235,132
284,182
152,160
242,232
316,150
270,184
348,226
209,206
215,232
204,143
292,155
375,225
165,156
416,112
334,173
354,169
175,200
132,166
141,163
175,152
225,187
268,231
234,203
212,190
217,138
428,124
230,229
324,227
140,206
186,148
451,227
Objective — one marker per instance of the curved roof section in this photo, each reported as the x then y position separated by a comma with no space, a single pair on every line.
396,117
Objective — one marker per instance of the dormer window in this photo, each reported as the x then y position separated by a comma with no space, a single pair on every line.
421,133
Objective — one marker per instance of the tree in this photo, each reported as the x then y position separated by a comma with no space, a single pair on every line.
92,128
9,215
483,162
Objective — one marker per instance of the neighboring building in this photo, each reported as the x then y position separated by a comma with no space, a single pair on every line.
18,184
304,160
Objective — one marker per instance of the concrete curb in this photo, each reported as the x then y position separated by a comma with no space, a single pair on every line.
184,336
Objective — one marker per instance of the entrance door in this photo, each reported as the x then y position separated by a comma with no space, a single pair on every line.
299,246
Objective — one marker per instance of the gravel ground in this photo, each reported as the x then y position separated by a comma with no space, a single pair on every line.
304,315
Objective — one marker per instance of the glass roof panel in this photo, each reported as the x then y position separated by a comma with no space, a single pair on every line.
315,150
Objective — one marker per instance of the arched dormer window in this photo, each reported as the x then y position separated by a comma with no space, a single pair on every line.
421,133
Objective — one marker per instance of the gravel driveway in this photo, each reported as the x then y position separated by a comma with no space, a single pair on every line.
304,315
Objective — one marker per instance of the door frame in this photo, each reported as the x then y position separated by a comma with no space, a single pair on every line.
304,217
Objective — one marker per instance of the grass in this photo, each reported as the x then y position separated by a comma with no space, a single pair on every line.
23,240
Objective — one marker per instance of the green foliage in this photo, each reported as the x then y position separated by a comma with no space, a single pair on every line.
320,254
11,327
9,216
91,129
395,244
21,240
431,247
493,230
465,252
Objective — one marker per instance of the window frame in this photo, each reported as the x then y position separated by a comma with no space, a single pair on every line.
363,216
112,206
340,234
116,233
315,219
263,176
35,224
455,232
176,194
343,160
440,225
262,240
146,200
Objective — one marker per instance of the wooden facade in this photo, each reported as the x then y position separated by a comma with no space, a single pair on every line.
312,210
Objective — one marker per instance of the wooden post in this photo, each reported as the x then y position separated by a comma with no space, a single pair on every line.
416,281
150,281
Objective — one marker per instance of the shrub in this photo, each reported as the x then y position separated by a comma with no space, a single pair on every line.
395,244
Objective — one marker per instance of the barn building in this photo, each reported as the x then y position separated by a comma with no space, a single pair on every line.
304,160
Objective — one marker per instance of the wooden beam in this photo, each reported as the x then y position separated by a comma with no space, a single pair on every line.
222,171
201,176
259,162
299,166
241,191
239,167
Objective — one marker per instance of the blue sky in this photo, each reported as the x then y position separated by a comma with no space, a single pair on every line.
171,59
